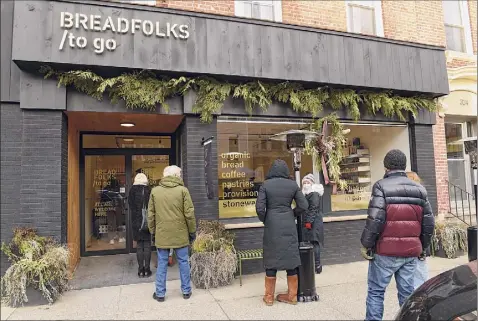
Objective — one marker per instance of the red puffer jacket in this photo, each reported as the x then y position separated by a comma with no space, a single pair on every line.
400,220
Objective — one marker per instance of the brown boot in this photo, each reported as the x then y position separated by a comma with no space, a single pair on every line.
270,289
291,296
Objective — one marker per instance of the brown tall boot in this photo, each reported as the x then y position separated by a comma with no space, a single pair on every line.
291,296
270,285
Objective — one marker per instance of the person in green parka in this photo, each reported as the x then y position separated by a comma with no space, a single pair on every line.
171,219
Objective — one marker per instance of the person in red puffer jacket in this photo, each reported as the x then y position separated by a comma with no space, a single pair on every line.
397,232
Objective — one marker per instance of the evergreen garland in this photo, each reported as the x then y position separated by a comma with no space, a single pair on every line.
145,90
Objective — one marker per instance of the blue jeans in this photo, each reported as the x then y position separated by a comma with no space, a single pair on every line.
421,274
182,255
380,272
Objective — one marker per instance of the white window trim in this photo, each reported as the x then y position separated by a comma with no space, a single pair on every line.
142,2
377,5
276,5
465,18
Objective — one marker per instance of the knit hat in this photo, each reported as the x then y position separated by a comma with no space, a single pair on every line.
395,160
310,178
140,179
172,170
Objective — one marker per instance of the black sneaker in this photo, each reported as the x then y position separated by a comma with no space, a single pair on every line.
147,272
158,298
187,296
318,269
141,272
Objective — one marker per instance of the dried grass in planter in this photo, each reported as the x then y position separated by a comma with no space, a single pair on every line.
451,237
36,262
213,259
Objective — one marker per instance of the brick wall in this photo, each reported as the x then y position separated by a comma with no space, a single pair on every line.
342,244
423,157
10,173
192,156
405,20
42,191
221,7
441,165
33,172
317,14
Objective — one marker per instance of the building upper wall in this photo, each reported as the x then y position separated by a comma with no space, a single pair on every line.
77,34
415,21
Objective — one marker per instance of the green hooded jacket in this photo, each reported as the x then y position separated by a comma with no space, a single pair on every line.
171,214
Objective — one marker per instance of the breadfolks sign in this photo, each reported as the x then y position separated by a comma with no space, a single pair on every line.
96,23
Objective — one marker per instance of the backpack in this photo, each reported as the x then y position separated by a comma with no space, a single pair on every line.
144,213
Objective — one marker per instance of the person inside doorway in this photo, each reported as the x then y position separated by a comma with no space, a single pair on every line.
138,201
171,218
398,230
313,228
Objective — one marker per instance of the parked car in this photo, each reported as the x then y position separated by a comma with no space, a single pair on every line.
448,296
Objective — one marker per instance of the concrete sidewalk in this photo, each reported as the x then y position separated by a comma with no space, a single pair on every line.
342,290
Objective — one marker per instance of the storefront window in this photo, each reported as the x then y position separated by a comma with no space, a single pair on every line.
245,154
453,134
364,150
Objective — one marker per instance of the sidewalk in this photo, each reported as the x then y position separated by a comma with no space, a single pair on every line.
342,290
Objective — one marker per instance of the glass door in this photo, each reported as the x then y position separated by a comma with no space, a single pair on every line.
152,166
105,203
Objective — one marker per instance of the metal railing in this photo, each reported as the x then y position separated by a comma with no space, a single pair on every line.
462,204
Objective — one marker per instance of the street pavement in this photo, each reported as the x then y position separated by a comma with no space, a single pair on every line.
342,289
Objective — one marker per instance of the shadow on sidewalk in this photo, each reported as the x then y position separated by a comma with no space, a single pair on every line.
112,270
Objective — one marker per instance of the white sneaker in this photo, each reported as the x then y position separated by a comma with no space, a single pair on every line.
112,241
122,240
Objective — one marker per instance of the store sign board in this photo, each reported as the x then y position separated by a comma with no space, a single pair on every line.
461,103
109,27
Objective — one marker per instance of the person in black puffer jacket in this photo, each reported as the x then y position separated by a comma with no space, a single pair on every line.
313,227
139,197
397,232
280,244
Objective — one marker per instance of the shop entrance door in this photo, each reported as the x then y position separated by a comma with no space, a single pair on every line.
107,174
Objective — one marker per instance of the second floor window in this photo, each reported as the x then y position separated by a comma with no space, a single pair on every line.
259,9
457,25
365,17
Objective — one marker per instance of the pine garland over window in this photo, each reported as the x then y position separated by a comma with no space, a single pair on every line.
146,90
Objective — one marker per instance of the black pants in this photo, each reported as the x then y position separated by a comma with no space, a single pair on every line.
317,254
143,254
271,273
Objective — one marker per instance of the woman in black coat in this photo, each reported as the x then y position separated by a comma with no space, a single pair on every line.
280,244
313,229
139,197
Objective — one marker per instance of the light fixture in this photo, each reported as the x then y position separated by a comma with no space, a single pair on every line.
127,124
129,140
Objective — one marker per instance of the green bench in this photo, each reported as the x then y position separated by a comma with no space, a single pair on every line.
244,255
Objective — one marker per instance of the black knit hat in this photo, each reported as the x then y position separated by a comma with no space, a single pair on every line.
395,160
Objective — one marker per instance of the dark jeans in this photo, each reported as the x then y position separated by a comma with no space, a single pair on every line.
143,254
271,273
